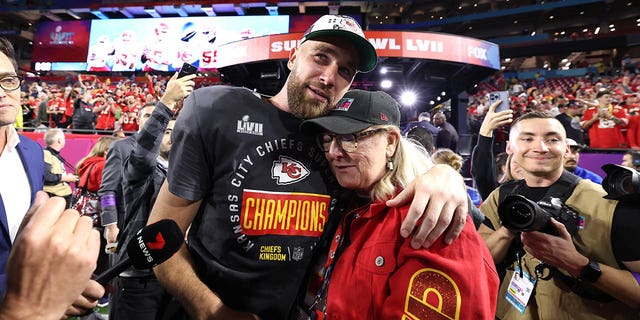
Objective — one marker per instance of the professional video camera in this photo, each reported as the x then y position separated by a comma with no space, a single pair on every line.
621,183
521,214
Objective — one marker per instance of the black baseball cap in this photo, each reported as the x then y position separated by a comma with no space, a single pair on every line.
574,144
356,111
349,29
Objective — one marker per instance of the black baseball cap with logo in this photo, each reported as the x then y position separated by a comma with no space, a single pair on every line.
349,29
356,111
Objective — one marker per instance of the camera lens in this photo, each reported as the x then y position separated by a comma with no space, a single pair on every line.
627,184
521,215
621,183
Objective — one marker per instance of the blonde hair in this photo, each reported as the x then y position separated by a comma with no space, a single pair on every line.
100,148
447,156
508,176
409,161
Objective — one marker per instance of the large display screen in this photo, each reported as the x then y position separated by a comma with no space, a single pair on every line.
61,41
164,44
152,44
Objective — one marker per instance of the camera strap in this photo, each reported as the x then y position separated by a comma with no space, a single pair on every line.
581,288
561,189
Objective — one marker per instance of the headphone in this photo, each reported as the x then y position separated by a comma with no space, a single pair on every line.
635,158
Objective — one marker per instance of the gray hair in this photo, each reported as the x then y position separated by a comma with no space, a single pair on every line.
52,135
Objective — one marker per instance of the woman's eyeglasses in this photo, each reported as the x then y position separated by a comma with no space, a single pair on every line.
348,142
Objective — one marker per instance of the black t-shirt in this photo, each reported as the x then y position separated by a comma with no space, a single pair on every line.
572,127
82,112
265,191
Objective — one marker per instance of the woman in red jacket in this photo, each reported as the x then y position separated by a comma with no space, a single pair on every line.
371,271
93,163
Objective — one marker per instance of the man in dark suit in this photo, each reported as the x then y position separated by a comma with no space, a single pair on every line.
447,136
21,160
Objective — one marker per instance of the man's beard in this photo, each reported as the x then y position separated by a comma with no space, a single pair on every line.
301,106
570,166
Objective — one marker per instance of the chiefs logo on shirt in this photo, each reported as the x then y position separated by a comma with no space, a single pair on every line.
432,294
288,170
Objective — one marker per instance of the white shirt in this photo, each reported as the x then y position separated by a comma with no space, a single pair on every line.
14,183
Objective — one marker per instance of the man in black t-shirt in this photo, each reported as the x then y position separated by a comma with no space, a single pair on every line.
257,194
570,119
84,120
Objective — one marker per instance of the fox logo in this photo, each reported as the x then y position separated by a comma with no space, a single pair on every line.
287,171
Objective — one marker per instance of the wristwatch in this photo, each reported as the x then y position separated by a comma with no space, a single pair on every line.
591,272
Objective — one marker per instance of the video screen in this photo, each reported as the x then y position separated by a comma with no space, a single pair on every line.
165,44
61,41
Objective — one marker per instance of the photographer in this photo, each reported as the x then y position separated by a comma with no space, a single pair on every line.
591,273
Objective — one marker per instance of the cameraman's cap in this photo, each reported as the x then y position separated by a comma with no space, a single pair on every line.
356,111
347,28
574,144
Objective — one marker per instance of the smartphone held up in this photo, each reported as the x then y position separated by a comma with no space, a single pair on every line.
503,96
187,69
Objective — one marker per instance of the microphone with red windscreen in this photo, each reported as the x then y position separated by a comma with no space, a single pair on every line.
151,246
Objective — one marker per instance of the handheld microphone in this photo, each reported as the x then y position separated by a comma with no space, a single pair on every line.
151,246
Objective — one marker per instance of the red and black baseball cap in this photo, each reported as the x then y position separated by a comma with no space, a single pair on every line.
356,111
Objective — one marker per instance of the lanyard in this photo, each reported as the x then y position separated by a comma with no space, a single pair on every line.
340,241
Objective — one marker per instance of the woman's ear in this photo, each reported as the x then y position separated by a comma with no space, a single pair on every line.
393,138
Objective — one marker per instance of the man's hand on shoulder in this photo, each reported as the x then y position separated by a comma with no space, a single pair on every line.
440,198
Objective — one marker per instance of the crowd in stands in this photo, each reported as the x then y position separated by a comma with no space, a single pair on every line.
89,105
597,111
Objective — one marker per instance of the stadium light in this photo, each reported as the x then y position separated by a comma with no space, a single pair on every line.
408,98
386,84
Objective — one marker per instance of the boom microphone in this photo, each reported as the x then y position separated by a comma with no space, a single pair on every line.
151,246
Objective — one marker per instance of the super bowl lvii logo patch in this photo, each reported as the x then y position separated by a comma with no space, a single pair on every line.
344,104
